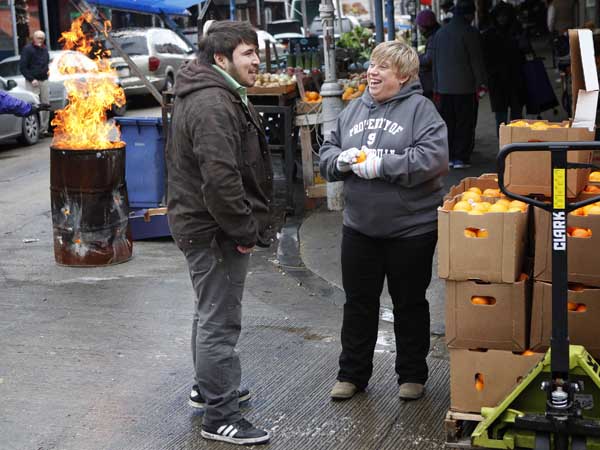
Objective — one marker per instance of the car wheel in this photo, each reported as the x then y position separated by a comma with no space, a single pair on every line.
169,83
31,130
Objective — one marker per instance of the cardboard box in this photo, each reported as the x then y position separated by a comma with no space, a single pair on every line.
483,182
499,370
500,326
496,259
583,254
583,326
529,173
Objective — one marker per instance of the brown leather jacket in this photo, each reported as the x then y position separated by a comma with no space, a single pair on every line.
219,173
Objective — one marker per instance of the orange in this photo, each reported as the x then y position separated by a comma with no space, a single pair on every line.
479,382
571,306
482,233
503,201
581,232
498,208
594,176
518,123
591,189
477,300
576,287
470,232
518,204
523,277
491,193
474,189
470,195
594,210
579,212
362,156
581,308
482,206
528,353
515,209
362,87
462,206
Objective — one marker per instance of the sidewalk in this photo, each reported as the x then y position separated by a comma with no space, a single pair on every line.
320,233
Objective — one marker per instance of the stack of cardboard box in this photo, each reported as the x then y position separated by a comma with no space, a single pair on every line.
491,341
486,339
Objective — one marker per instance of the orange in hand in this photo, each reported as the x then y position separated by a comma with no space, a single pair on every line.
362,156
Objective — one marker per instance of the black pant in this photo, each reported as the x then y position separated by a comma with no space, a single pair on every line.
407,265
460,114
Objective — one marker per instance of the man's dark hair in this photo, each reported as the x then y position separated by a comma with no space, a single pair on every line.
223,37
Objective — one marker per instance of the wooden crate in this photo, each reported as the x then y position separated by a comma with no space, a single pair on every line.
458,428
278,90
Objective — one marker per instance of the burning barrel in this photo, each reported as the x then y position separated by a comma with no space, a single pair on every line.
89,207
87,160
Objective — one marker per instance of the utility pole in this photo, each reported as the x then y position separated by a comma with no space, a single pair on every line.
331,93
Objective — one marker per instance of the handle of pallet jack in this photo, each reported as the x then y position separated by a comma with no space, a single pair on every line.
545,147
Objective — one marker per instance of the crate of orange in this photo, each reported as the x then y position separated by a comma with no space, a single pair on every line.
310,103
486,184
528,173
583,242
583,315
484,377
481,238
487,315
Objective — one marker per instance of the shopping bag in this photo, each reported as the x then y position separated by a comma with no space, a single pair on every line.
540,94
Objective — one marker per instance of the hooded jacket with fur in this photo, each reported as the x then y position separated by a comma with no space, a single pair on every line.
409,134
218,164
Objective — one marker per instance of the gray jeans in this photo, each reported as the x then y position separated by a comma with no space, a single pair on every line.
42,90
218,274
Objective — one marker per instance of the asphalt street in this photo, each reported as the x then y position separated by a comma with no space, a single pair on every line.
98,358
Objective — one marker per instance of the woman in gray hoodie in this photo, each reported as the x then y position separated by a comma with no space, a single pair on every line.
390,216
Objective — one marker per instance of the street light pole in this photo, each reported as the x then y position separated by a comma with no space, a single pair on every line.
331,93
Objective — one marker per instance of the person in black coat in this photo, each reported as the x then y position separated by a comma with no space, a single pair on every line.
34,63
504,47
428,25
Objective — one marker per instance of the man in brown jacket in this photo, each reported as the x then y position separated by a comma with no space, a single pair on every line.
219,198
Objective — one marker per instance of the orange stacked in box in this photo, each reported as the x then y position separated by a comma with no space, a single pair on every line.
482,254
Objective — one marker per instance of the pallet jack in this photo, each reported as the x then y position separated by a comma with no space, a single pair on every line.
557,405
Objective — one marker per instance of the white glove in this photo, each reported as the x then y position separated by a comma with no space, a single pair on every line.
370,168
346,159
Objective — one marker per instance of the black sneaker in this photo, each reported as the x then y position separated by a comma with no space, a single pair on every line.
197,401
241,432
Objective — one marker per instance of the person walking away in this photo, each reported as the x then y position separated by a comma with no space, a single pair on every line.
34,67
458,76
504,56
219,177
428,26
390,216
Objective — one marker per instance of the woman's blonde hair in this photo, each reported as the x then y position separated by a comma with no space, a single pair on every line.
402,57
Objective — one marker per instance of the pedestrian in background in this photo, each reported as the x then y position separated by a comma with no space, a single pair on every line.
34,67
390,216
504,55
447,7
428,26
219,198
458,77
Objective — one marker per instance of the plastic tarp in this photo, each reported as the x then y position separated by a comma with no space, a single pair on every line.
171,7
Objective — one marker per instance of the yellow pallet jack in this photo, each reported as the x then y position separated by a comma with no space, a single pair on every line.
557,405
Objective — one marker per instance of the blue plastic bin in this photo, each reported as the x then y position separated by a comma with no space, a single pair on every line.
148,223
144,160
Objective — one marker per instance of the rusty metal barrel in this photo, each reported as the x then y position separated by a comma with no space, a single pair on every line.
89,207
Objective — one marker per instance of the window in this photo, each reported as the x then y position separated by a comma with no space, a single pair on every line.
132,45
9,69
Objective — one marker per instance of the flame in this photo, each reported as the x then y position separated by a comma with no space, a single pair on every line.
82,123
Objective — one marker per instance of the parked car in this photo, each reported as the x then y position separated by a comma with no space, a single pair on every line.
158,52
348,23
25,129
80,65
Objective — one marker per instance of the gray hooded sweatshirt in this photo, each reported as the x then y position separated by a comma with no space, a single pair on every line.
407,131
